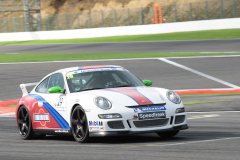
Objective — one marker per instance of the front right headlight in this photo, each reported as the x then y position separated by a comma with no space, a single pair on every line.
173,97
103,103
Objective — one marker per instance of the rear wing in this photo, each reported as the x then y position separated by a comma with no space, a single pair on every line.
24,89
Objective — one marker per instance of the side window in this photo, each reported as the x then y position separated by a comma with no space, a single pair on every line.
56,80
42,87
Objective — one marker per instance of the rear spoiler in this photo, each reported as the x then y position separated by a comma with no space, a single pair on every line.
23,87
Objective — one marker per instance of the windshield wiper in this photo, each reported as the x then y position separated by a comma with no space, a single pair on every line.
125,86
87,89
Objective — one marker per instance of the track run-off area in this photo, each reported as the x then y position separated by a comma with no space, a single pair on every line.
214,131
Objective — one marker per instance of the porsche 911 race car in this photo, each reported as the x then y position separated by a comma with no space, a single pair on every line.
96,101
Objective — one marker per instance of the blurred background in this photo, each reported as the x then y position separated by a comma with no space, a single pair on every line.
46,15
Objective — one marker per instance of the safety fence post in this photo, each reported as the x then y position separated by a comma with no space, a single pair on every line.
234,9
102,18
221,9
78,24
129,17
14,23
23,22
57,22
66,19
158,15
48,23
115,17
6,24
141,16
206,9
89,19
190,10
175,11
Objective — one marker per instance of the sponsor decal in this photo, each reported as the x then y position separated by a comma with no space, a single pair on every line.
61,131
151,115
95,123
149,109
97,70
96,129
135,116
41,117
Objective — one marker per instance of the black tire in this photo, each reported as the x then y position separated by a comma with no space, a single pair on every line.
24,123
168,134
79,125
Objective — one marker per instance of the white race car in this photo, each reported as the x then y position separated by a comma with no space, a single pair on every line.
95,101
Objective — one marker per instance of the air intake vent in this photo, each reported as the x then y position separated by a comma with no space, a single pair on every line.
179,119
115,125
151,123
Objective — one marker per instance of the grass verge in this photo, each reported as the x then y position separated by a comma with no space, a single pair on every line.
194,35
208,94
39,57
14,105
201,102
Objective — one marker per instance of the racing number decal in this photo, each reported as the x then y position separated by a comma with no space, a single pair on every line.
70,76
59,104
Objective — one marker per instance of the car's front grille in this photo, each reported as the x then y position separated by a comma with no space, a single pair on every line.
151,123
115,124
179,119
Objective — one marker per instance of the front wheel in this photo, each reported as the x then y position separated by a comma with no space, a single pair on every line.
79,125
168,134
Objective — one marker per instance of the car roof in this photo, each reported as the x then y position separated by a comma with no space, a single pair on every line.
87,67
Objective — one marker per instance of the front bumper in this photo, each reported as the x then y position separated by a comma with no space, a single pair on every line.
117,133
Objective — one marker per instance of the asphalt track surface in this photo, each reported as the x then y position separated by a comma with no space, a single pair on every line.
212,134
227,45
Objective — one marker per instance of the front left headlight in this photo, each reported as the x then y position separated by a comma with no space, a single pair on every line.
173,97
103,103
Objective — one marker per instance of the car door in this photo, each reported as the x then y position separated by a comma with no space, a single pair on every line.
56,100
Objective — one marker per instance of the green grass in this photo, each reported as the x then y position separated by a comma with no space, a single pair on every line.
14,105
195,35
201,102
38,57
208,94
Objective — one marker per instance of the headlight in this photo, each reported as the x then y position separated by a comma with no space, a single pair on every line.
173,97
109,116
103,103
180,110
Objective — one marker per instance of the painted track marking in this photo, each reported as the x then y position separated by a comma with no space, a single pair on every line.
126,59
199,73
204,116
174,144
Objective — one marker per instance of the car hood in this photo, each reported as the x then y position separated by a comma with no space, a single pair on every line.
130,96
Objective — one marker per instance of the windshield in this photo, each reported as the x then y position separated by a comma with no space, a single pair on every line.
101,78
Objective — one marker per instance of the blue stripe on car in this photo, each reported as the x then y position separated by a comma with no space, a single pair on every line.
59,119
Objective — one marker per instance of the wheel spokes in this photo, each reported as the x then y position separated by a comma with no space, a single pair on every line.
21,111
83,119
78,120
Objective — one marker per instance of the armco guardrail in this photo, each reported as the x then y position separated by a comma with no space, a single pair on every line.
125,30
182,12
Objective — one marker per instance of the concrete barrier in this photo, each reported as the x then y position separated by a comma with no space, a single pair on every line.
123,30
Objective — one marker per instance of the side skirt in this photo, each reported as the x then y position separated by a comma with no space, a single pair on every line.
53,131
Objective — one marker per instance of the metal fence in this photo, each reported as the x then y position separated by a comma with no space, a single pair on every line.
215,9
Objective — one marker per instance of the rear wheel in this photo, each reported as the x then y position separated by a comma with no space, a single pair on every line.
79,125
168,134
24,123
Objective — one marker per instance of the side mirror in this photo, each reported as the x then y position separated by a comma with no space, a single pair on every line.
56,90
147,82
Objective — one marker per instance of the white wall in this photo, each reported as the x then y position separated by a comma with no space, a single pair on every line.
124,30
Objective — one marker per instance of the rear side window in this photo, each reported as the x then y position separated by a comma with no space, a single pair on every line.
42,87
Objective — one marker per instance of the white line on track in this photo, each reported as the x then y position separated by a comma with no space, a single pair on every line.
211,140
214,112
203,116
199,73
128,59
215,89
